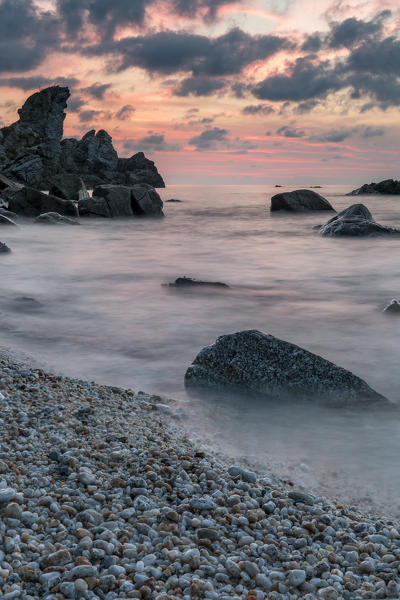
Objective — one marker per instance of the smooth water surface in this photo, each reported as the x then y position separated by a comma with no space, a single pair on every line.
88,301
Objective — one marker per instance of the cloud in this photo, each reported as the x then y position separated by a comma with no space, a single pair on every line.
370,132
209,139
75,103
97,90
167,52
290,132
199,86
86,116
353,31
258,109
125,112
154,142
335,135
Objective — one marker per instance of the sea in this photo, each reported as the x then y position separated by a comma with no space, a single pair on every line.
93,302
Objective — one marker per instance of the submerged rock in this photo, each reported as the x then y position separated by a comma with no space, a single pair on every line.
173,200
253,362
299,201
54,218
190,282
393,307
356,220
122,201
388,186
4,220
4,249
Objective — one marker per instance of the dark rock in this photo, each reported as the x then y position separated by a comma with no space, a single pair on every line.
66,186
54,218
393,307
123,201
356,220
299,201
173,200
187,282
139,169
32,203
388,186
4,249
8,213
26,303
6,183
301,498
253,362
93,154
6,220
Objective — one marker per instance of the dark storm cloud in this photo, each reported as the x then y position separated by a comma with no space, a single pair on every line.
125,112
303,81
26,35
36,81
169,52
258,109
209,138
97,90
340,135
290,132
370,132
353,31
75,103
199,86
85,116
312,43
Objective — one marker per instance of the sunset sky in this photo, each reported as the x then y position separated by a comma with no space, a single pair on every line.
214,91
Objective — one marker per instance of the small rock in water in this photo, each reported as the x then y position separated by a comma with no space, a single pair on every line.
4,249
187,282
393,307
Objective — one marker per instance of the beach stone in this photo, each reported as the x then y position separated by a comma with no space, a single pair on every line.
7,495
299,201
251,361
356,220
302,497
248,476
296,577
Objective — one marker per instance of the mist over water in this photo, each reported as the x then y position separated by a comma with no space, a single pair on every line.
88,302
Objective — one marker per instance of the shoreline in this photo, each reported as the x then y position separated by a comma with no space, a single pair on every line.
103,495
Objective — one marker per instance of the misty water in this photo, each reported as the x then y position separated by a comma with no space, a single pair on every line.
88,302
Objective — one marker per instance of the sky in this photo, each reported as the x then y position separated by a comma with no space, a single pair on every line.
219,91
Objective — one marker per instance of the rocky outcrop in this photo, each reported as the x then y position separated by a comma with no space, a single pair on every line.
54,218
33,152
29,202
122,201
355,221
299,201
253,362
31,146
388,186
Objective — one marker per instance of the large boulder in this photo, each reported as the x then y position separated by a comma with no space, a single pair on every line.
388,186
356,220
299,201
31,203
123,201
253,362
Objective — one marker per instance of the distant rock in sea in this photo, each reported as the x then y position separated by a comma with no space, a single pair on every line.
393,307
388,186
173,200
253,362
33,152
188,282
299,201
356,220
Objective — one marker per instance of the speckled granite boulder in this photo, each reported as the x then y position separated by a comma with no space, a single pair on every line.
251,361
356,220
299,201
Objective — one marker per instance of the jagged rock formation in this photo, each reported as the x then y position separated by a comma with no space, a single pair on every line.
356,220
388,186
251,361
299,201
32,151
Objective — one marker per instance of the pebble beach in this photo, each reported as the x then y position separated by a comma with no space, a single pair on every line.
103,495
